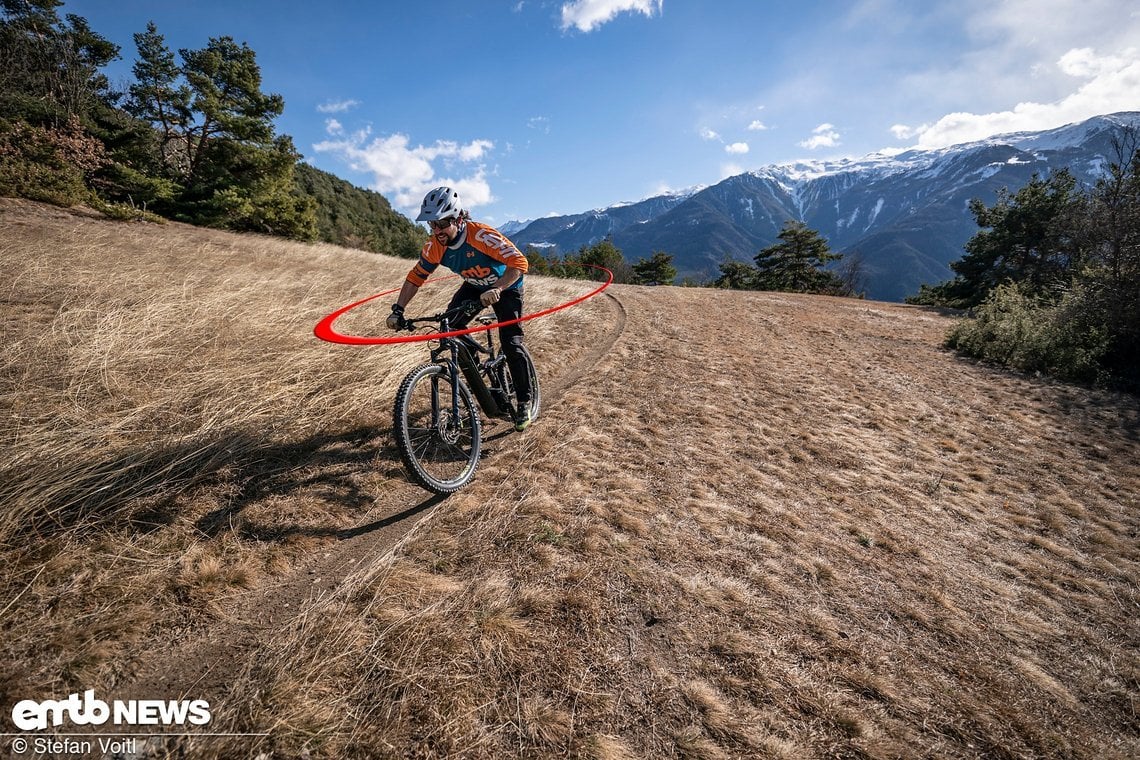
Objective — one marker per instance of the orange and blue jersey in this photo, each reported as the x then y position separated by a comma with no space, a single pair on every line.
480,256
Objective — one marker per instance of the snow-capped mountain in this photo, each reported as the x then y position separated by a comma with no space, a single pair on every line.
563,233
510,228
907,214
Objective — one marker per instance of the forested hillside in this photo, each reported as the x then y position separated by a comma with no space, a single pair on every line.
357,218
191,138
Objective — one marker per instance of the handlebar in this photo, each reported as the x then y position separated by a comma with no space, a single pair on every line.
464,309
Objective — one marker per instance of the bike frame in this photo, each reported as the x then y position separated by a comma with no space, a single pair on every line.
458,355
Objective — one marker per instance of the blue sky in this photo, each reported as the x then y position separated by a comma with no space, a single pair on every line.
532,107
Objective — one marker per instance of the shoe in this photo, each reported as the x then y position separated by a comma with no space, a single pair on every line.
522,417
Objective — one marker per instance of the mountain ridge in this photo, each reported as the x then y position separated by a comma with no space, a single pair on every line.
906,213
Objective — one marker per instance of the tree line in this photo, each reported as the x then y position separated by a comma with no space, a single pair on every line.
1052,279
797,264
658,269
192,138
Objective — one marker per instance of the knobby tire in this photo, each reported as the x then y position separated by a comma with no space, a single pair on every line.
439,455
505,381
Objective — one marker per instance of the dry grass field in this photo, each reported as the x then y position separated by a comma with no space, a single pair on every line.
746,525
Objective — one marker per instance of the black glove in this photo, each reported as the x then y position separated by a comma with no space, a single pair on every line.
396,318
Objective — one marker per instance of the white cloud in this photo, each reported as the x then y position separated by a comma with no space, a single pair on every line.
730,170
474,150
1027,65
823,136
541,123
1048,27
339,106
737,148
587,15
473,191
1083,62
403,172
757,126
334,127
1112,84
708,134
904,132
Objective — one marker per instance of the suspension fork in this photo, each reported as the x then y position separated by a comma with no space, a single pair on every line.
452,347
451,368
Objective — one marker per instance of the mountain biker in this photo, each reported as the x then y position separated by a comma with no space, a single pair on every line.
492,269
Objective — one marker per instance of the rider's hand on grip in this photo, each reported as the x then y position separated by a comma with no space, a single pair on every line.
396,319
489,297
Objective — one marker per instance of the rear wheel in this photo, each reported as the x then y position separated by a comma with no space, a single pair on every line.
505,382
437,429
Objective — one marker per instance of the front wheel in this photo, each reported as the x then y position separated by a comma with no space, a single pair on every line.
437,429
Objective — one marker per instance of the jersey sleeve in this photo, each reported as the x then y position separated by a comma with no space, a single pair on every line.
429,260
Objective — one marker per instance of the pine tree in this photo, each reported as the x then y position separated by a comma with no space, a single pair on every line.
656,270
52,95
795,264
49,69
1026,237
227,101
537,263
601,254
736,275
158,98
218,139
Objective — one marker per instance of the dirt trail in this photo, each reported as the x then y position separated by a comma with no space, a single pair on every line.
747,524
199,665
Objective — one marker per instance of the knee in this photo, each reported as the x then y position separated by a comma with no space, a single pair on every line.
511,336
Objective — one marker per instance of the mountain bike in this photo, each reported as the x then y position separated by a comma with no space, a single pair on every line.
436,422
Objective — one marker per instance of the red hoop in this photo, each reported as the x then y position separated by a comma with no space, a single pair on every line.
324,329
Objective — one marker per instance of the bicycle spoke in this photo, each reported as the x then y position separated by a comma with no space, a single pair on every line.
438,442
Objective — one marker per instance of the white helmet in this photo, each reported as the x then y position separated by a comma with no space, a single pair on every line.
441,203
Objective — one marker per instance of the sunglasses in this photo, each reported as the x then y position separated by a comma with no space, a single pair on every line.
441,224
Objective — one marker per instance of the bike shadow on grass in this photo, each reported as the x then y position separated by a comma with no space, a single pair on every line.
145,490
148,491
341,472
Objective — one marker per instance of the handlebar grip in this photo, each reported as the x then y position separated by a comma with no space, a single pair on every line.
470,308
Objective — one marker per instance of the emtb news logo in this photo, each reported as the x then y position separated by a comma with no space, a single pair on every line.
30,715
